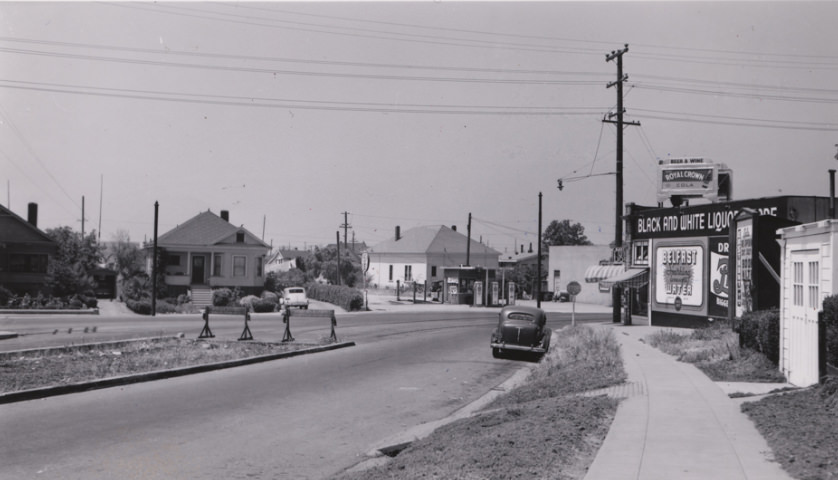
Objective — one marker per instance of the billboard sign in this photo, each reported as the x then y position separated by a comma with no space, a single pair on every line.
679,275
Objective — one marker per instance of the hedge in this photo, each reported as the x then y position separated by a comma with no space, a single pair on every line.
350,299
830,318
760,331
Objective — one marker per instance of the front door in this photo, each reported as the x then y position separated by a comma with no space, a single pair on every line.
198,269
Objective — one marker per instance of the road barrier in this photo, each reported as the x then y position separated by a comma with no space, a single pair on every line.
207,332
286,318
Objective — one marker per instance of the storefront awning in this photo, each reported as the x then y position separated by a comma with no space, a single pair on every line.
597,273
631,278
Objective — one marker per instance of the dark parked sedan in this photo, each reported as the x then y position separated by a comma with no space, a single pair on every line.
521,328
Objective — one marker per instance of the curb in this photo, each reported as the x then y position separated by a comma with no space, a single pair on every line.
45,392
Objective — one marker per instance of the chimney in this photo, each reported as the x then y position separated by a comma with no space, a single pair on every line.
33,214
454,227
225,215
398,233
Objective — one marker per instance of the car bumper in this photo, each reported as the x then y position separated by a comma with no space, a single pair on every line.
523,348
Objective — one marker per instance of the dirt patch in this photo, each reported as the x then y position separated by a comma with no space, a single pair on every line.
802,429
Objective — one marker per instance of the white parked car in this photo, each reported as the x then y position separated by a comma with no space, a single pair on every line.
295,297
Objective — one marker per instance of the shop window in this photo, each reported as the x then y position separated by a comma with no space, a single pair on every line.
640,252
408,273
239,265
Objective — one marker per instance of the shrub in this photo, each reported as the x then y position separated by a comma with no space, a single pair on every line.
830,318
349,299
760,331
5,295
222,297
143,307
263,306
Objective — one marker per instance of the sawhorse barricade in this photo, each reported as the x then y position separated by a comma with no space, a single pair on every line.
246,334
286,318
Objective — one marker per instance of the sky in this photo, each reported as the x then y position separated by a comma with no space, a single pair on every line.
288,114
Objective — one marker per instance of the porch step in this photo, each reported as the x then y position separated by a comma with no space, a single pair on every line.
202,297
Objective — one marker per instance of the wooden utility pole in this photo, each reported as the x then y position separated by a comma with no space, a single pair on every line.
345,228
468,242
618,224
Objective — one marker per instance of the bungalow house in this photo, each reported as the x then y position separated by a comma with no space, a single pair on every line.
24,252
282,260
207,251
421,254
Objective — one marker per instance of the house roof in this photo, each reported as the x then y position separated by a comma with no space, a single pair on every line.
206,228
432,239
17,230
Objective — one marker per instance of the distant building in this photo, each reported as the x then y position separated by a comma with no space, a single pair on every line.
282,260
208,251
25,252
419,255
583,264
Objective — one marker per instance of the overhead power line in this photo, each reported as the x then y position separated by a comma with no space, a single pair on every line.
264,102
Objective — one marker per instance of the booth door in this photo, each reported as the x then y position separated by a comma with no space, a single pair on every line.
800,329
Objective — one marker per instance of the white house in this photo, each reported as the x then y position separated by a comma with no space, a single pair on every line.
419,255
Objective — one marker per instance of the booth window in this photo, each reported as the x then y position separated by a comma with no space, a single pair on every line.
813,285
798,284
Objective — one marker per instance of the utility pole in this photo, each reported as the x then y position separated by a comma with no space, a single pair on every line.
345,228
538,285
338,243
154,265
468,242
618,225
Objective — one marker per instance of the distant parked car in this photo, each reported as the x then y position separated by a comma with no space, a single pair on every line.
295,297
521,328
561,296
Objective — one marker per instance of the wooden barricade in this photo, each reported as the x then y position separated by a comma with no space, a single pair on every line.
246,333
286,318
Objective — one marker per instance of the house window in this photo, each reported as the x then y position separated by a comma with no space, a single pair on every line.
239,237
27,263
173,260
433,270
408,273
391,273
259,266
239,265
217,261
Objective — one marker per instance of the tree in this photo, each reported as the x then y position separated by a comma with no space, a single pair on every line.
70,270
126,256
564,233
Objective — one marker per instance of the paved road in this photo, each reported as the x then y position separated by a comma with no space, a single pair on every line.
304,417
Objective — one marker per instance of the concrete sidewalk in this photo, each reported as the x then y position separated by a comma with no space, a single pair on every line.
676,423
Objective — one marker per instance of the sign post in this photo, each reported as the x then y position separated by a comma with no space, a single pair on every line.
573,288
365,265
